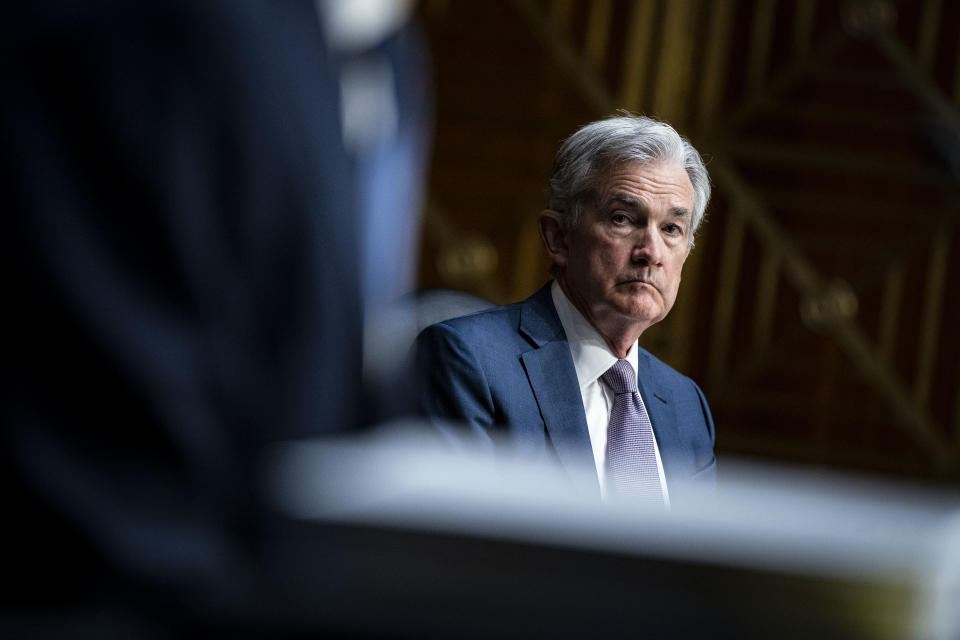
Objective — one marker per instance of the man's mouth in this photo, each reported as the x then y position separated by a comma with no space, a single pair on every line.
638,281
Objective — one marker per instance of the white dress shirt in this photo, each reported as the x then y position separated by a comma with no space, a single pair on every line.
591,359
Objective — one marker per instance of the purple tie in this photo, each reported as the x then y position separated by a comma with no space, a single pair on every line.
631,459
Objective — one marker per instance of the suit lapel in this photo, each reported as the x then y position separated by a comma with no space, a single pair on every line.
658,399
550,370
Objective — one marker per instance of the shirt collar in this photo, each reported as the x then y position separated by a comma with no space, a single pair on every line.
591,355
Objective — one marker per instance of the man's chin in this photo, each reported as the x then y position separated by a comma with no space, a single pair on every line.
646,310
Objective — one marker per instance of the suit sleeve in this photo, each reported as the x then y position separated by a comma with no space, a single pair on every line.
453,388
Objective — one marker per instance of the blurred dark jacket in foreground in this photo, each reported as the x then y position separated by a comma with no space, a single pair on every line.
179,250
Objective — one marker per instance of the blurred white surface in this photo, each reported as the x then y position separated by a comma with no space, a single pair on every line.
773,519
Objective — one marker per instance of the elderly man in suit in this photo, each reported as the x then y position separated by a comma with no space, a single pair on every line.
561,374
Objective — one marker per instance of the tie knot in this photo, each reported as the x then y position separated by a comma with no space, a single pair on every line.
621,378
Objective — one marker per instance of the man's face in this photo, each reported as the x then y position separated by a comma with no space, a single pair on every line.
624,258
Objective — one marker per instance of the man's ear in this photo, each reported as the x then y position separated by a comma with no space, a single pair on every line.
553,233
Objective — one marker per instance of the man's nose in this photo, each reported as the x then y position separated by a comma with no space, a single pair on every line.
648,247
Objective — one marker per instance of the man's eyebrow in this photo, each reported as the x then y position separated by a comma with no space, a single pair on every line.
680,212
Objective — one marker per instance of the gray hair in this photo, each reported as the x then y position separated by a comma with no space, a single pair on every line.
595,148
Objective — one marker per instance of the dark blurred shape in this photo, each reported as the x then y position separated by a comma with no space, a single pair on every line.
386,103
180,253
388,115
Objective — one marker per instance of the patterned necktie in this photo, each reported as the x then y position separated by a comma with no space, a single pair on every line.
631,459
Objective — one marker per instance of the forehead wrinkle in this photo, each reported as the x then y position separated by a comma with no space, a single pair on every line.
641,186
626,200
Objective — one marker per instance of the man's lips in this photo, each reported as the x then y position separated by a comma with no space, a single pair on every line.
638,281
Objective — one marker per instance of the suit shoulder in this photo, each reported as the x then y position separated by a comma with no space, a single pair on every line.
664,371
498,318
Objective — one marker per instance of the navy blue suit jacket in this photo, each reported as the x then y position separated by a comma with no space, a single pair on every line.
509,369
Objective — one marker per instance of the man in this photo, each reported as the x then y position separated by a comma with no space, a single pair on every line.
562,373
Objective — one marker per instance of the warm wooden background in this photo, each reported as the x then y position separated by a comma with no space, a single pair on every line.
819,310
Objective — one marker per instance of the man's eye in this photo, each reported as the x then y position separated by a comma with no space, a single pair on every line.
673,229
619,218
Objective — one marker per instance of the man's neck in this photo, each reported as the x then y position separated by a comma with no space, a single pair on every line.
620,337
